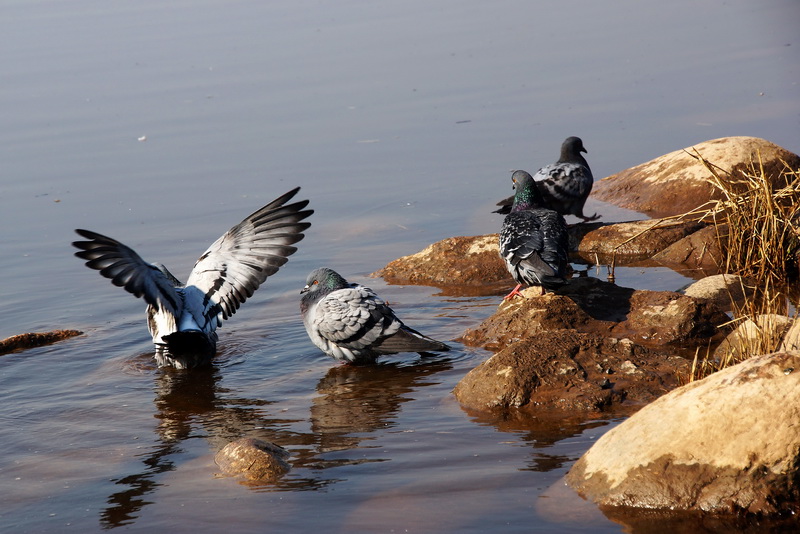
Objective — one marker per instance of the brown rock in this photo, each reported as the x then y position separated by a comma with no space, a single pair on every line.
724,290
636,240
590,305
253,459
728,443
669,318
791,341
677,183
568,370
35,339
468,262
698,250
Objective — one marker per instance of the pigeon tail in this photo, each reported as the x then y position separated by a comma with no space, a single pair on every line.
409,340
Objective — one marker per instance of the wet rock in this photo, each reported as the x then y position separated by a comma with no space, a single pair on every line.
35,339
728,443
751,336
565,370
456,261
254,460
724,290
637,240
677,183
698,250
654,318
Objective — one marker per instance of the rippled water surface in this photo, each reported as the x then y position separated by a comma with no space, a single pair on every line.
163,124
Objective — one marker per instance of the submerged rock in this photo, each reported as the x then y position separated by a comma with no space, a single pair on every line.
728,443
677,182
253,459
35,339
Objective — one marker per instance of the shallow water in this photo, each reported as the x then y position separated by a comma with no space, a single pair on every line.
400,122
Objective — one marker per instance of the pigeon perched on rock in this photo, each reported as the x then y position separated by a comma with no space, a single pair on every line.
534,242
352,324
183,318
565,185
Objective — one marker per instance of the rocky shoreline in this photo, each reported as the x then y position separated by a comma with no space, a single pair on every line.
725,444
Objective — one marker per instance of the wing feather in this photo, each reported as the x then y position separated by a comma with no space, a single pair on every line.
237,263
125,268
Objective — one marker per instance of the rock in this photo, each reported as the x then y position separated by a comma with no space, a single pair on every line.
466,262
677,183
791,341
35,339
254,460
698,250
669,318
589,305
636,240
565,370
753,337
727,443
724,290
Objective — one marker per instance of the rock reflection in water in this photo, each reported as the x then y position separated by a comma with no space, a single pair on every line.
541,433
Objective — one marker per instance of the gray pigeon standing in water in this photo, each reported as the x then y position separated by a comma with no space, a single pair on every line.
534,242
565,185
352,324
183,318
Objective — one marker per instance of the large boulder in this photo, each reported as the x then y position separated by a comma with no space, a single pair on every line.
677,182
728,443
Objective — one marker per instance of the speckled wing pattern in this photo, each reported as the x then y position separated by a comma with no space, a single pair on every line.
126,269
534,244
354,317
565,186
237,263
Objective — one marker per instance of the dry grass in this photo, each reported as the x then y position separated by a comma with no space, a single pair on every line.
758,226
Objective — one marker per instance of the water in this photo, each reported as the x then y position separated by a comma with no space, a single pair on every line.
400,121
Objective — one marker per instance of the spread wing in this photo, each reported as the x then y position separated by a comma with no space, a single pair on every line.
354,317
237,263
125,268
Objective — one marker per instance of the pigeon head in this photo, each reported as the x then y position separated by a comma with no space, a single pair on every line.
571,150
324,280
527,193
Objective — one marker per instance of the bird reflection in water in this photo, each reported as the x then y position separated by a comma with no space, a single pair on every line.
188,405
355,401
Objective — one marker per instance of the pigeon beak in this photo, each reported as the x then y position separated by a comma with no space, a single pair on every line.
304,290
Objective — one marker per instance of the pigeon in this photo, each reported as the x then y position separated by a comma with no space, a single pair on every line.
183,318
565,185
352,324
533,241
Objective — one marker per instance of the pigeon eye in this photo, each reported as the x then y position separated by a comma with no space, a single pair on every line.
316,282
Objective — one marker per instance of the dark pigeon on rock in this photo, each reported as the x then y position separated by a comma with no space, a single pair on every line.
565,185
183,318
534,242
352,324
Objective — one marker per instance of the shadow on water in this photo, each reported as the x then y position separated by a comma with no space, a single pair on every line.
353,402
